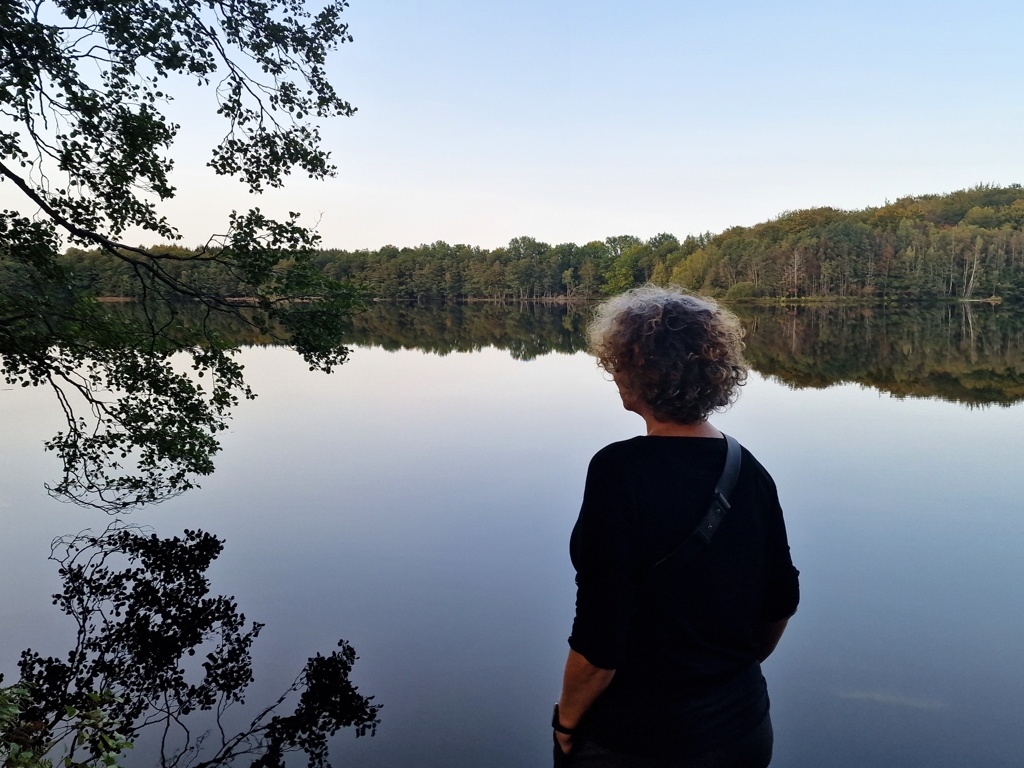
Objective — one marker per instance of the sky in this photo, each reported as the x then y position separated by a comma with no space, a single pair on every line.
572,121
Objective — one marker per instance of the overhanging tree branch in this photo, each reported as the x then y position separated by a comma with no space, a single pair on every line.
84,138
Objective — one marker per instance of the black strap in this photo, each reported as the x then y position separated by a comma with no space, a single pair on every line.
701,535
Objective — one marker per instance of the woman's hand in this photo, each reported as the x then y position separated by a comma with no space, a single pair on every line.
582,683
562,737
564,741
562,750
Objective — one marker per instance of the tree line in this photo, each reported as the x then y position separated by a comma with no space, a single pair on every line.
964,245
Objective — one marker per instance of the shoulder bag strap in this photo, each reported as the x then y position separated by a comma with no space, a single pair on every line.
701,535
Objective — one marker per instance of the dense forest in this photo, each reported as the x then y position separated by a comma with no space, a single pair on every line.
964,245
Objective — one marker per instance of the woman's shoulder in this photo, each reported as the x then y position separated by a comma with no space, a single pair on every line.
755,467
618,450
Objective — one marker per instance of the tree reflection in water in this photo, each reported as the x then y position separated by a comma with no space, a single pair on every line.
143,611
966,353
970,353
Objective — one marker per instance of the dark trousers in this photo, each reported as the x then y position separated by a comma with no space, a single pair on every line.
753,750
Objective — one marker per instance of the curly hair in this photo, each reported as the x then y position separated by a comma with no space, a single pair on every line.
680,354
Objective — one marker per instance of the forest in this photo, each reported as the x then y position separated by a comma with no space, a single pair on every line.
966,245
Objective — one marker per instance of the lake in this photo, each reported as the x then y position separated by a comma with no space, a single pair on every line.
418,503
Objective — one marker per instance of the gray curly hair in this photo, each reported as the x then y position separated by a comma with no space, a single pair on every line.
681,354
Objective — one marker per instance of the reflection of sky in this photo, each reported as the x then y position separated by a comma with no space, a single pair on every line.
419,506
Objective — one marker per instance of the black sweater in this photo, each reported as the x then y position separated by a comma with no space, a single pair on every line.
684,645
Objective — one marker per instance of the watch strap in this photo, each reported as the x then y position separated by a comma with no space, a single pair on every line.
557,725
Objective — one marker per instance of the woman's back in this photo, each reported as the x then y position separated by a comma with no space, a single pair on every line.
685,639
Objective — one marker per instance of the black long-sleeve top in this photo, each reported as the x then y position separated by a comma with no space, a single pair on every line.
684,643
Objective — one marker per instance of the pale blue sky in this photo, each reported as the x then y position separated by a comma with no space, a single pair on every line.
573,121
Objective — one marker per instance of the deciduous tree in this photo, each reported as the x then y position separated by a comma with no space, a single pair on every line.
85,141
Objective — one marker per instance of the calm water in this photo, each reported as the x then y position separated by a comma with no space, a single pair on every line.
419,505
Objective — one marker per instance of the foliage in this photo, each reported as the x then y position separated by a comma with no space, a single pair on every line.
142,609
12,754
966,245
85,134
83,83
91,731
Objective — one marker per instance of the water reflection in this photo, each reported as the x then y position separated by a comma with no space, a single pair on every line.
153,650
425,514
970,353
965,353
145,617
525,330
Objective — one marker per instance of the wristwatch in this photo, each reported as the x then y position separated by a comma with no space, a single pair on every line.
559,728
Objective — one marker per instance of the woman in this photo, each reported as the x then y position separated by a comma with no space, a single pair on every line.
664,663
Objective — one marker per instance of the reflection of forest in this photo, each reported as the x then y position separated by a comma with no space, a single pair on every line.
965,353
525,329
